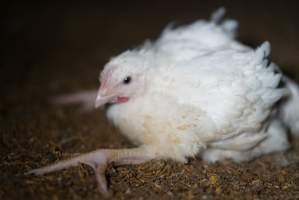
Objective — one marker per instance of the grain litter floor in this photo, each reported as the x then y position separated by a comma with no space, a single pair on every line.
54,48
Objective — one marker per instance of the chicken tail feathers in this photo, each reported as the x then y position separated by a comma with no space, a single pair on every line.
217,15
289,110
228,25
262,52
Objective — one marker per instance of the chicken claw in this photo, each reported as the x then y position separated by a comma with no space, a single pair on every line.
99,160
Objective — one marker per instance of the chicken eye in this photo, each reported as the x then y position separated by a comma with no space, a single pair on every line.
127,80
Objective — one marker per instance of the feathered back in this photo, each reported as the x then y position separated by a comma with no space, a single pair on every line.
230,85
185,42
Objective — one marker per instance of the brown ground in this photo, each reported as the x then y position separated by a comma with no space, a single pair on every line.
50,49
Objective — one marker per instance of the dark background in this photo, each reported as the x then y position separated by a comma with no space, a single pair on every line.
53,48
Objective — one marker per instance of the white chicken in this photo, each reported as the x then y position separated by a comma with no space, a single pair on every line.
194,91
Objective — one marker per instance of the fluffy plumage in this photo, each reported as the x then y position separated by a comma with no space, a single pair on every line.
194,91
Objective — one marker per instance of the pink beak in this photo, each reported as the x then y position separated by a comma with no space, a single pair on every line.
102,98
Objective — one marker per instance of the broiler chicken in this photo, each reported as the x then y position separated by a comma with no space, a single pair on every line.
194,91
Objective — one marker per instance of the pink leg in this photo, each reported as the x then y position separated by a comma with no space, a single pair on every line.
85,98
99,160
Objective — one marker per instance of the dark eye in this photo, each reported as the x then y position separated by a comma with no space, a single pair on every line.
127,80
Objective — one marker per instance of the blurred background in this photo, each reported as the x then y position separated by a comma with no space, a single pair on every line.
80,37
50,48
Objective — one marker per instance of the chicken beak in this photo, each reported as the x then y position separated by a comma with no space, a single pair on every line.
102,99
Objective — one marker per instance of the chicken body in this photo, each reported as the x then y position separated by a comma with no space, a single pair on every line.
223,102
195,91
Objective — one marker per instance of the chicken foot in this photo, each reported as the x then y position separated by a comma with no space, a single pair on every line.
99,160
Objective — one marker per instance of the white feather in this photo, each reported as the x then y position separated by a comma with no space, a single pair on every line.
207,93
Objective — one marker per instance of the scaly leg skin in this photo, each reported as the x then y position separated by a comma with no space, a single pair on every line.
99,159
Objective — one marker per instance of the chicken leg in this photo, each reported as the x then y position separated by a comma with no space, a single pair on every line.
84,98
99,159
